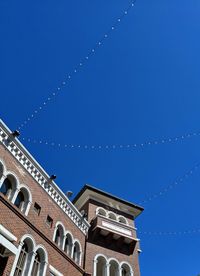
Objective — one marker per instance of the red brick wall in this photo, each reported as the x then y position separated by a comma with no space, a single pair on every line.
17,224
12,219
18,227
93,249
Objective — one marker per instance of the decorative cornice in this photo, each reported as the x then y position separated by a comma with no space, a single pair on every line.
21,154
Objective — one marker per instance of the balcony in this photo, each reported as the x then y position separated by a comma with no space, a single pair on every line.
119,236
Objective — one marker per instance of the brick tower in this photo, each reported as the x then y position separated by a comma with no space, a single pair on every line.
112,246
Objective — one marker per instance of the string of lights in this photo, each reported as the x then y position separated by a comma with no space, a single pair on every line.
78,67
170,233
112,146
162,192
177,182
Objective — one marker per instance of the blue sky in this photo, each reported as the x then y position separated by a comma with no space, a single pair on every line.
141,85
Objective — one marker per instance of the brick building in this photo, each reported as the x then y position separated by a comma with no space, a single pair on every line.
43,233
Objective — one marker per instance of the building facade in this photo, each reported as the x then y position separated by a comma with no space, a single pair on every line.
43,233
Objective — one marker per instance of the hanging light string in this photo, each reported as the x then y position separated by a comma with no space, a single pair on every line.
162,192
174,184
112,146
169,233
81,64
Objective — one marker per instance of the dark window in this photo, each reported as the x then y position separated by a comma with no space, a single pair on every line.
2,250
68,245
75,253
19,200
37,208
58,237
6,187
21,260
125,271
3,264
49,221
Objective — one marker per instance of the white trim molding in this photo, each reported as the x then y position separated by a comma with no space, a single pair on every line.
117,228
7,234
11,249
55,271
114,217
32,251
20,153
108,263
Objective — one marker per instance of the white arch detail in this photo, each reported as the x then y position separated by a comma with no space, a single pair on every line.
70,246
110,213
16,187
108,262
40,246
75,241
117,270
101,209
31,256
62,238
13,179
28,201
23,186
43,266
129,266
105,268
28,236
2,163
118,219
107,214
60,223
67,233
12,174
100,255
113,259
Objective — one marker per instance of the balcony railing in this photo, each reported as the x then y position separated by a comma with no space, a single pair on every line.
119,235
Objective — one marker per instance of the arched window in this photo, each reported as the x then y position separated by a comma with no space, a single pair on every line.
122,220
36,265
19,201
39,263
112,216
126,270
100,266
9,186
101,211
77,253
68,244
22,200
24,259
59,235
6,187
114,268
21,260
